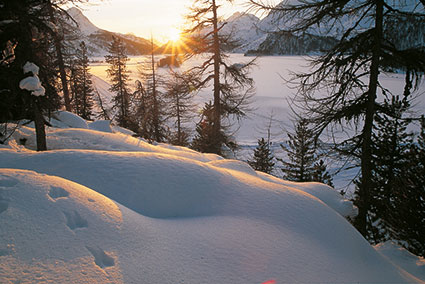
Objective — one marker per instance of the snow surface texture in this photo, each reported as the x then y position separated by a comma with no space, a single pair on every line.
163,214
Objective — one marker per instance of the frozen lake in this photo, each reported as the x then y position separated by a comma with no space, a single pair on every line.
271,99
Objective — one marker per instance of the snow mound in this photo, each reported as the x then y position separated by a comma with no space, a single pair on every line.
101,125
74,138
189,222
413,264
325,193
234,165
48,226
119,129
70,120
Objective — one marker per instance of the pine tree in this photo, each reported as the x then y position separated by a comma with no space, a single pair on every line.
389,157
81,84
301,154
263,158
232,87
321,174
119,76
404,218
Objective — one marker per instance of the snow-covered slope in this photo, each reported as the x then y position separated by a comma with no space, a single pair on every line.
244,29
97,40
86,27
131,212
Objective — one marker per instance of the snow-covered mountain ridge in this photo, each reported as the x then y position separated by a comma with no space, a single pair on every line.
254,35
97,40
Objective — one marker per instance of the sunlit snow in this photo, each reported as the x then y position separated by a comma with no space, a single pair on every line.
105,207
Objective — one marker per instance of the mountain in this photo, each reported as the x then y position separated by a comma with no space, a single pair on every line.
254,35
263,37
282,42
244,29
402,32
97,40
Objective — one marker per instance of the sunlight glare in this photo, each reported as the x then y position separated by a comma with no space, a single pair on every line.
174,34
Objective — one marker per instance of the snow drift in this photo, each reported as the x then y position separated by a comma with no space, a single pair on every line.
109,208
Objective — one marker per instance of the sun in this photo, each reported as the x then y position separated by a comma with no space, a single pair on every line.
174,34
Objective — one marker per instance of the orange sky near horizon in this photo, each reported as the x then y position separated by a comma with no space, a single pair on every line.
141,17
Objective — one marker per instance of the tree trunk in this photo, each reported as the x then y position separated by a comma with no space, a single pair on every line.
179,130
366,157
157,134
61,64
217,103
40,131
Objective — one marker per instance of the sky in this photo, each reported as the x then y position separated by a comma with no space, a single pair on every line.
141,17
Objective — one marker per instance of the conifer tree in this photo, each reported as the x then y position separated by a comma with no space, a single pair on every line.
321,174
389,158
301,154
119,76
25,37
206,140
179,98
304,162
149,102
81,84
232,87
405,220
400,206
263,158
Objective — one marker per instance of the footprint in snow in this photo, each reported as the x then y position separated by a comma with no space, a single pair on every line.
101,258
75,221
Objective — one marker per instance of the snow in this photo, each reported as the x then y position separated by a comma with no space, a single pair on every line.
68,119
32,83
326,194
403,258
101,125
85,26
102,207
31,67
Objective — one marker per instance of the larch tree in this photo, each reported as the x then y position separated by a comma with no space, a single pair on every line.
179,95
119,76
149,102
232,87
349,72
